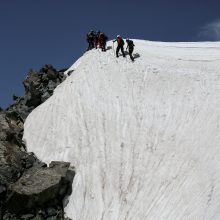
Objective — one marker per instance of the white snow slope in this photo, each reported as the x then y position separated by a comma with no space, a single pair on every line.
144,137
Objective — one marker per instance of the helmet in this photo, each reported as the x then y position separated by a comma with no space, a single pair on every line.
118,36
127,39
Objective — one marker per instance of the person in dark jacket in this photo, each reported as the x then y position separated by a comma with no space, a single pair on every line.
120,46
97,39
91,40
130,47
102,41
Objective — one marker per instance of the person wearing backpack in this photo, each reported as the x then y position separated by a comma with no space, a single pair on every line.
120,46
91,39
102,41
130,47
97,39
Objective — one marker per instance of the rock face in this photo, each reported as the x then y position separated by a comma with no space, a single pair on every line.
28,188
39,87
40,186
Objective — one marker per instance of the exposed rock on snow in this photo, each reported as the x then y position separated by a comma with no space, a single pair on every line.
40,186
144,136
14,160
39,87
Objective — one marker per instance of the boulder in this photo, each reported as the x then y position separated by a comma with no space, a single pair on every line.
45,96
28,188
13,162
11,128
40,186
4,127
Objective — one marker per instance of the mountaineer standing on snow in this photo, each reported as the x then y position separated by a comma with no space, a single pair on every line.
97,39
102,41
90,39
130,47
120,46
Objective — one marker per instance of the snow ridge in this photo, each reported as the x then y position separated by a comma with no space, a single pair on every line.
144,136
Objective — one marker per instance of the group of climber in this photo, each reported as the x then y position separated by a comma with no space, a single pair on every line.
120,46
98,40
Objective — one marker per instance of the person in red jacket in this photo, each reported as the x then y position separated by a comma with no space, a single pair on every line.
120,46
102,41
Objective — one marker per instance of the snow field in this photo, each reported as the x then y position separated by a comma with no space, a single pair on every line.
144,136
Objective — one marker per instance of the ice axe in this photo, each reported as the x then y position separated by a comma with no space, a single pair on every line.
113,47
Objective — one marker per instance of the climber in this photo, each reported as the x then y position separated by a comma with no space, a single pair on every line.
91,39
130,47
97,39
120,46
102,41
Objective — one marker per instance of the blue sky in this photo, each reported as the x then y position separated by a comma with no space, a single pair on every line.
34,33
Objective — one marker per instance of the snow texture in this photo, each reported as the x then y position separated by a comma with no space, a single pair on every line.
144,136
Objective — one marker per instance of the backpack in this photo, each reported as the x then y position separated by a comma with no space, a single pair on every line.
130,43
102,36
90,35
121,41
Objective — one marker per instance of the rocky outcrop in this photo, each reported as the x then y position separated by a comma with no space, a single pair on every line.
28,188
39,86
40,187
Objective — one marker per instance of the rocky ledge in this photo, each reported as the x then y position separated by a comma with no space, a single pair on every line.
28,188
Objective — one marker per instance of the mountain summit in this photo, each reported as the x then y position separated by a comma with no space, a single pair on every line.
143,137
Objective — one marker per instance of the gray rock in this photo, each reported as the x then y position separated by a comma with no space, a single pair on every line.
10,162
40,186
28,82
70,72
45,96
32,185
2,189
51,86
27,217
15,98
28,160
33,98
9,216
4,127
11,128
38,217
51,211
51,74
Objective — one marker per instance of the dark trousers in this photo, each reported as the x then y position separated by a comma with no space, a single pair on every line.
103,45
120,47
130,51
91,45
